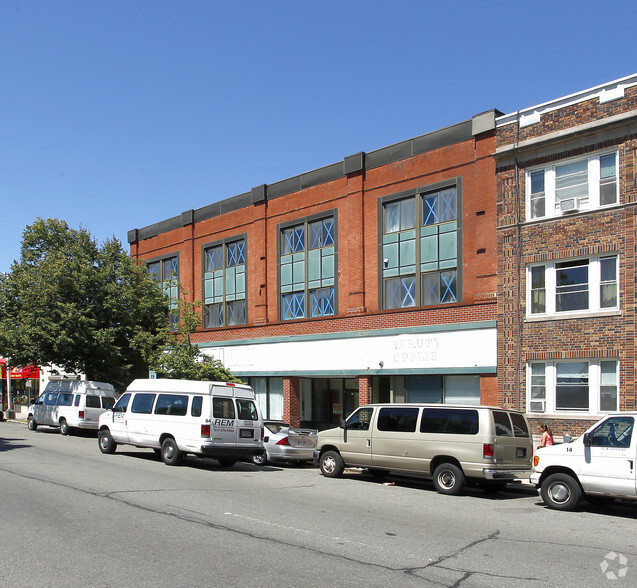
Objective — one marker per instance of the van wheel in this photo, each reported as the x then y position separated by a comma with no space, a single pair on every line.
260,459
449,479
227,463
64,427
331,464
105,441
170,453
31,423
561,492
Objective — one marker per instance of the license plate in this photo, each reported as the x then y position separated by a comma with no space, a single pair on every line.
246,434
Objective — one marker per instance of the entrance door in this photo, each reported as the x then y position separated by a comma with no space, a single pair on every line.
609,461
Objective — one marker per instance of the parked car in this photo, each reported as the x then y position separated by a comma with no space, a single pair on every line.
287,444
71,404
599,465
454,444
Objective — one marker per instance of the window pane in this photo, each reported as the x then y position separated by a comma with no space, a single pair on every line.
608,388
502,423
392,222
538,381
424,389
455,421
571,180
447,205
407,214
607,166
214,258
222,408
572,386
398,419
448,287
322,302
462,389
538,290
572,286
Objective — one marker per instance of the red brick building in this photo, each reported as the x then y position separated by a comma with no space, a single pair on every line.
372,279
566,214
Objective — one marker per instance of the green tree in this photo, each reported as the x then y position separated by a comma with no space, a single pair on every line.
85,308
182,360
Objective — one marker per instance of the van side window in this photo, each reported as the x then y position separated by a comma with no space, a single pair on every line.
247,410
50,398
614,432
172,404
502,424
397,419
143,403
65,399
451,421
223,408
77,400
520,427
92,401
195,410
360,420
107,401
122,404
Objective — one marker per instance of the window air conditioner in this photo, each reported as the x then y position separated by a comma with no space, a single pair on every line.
569,205
537,405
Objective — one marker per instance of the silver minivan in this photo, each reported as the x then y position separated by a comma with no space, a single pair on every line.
454,444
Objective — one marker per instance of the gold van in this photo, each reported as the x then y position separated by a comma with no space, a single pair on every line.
454,444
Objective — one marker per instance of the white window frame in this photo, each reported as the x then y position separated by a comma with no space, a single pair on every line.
594,388
589,202
550,287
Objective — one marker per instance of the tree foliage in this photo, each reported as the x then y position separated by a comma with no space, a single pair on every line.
183,360
85,308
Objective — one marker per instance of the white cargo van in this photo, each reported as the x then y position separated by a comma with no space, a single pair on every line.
71,404
454,444
599,465
176,417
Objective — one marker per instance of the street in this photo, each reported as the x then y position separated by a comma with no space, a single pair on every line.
72,516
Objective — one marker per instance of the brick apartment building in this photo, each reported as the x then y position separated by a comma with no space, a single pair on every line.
372,279
567,220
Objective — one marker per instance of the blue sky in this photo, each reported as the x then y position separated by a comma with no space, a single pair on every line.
115,114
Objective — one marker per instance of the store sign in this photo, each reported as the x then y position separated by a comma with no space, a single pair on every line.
30,372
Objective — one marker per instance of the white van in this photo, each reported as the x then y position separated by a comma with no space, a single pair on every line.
454,444
599,465
176,417
71,404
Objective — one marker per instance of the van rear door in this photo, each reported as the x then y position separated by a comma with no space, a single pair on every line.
513,446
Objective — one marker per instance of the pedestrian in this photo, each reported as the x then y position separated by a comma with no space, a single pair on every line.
547,436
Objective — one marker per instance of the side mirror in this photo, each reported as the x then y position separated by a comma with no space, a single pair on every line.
587,440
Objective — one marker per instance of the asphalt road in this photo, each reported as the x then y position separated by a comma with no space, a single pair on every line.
71,516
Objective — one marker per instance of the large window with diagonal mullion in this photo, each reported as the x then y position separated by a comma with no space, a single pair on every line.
225,284
307,269
420,249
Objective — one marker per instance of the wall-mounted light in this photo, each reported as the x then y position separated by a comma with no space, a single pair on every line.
381,363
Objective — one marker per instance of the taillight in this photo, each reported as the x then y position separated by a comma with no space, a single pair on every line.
283,441
205,430
262,433
487,450
81,414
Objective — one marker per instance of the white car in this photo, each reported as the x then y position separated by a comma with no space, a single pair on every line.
284,443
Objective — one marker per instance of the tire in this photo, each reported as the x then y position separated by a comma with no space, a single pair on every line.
449,479
170,453
261,459
561,492
64,427
105,441
227,462
331,464
157,451
31,423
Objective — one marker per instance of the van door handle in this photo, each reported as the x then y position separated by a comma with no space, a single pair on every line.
630,461
368,444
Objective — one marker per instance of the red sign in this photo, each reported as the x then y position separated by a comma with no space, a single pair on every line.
30,372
